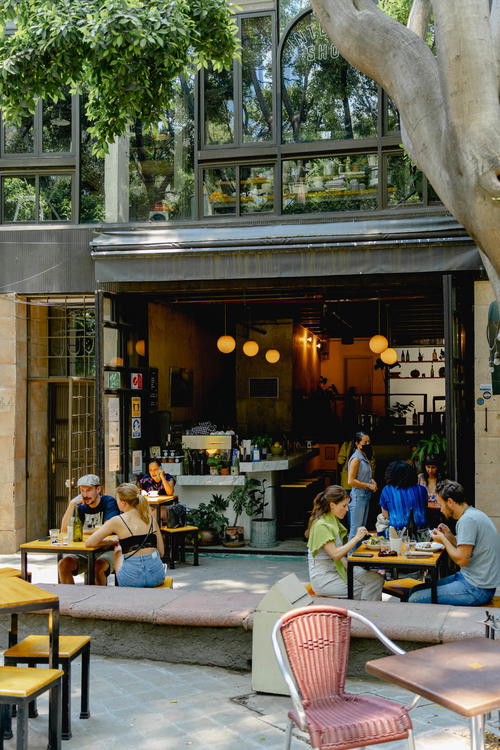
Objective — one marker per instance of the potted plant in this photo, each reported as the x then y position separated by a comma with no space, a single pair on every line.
399,411
262,530
263,443
241,497
435,445
215,463
209,519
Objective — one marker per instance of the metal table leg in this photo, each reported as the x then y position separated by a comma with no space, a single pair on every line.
477,732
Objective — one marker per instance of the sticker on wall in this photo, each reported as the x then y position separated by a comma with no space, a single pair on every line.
480,401
486,394
136,427
136,406
136,462
114,379
113,458
136,381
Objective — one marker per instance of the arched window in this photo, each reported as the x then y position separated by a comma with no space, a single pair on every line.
322,96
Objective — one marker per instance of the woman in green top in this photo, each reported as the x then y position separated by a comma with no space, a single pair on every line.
328,547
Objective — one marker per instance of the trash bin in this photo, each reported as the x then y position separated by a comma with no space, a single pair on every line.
288,593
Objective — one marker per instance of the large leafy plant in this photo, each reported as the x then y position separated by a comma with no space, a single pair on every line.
124,54
435,445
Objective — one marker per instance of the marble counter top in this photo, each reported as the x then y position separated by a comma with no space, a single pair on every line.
275,463
209,480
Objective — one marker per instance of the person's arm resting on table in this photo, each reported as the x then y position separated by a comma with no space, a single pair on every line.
97,538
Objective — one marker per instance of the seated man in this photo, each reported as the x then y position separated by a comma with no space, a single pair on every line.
94,509
475,549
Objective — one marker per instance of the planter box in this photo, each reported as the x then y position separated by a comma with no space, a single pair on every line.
263,532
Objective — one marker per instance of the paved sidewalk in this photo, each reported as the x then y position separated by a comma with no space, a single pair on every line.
146,705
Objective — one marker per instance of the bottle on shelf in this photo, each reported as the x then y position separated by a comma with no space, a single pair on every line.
407,356
420,356
77,527
414,417
434,356
432,371
412,526
255,453
235,463
185,462
203,462
403,359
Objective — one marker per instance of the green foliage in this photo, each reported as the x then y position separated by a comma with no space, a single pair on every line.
247,498
262,441
400,410
124,54
207,516
397,9
435,445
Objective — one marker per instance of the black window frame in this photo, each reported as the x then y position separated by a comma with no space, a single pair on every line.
36,174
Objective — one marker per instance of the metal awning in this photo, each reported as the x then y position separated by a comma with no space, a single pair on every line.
283,249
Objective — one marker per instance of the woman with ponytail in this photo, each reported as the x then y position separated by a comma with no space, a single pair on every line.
139,552
328,547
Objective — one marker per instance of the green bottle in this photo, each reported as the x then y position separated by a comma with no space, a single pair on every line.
77,527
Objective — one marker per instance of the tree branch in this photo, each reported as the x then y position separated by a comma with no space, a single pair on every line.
467,63
418,20
495,32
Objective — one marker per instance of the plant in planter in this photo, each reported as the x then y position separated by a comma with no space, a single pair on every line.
262,530
215,463
399,411
435,445
263,443
241,497
209,519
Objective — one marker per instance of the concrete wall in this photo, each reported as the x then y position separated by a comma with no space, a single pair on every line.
305,360
13,347
487,415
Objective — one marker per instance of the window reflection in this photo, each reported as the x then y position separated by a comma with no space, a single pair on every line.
393,121
91,175
219,107
161,175
55,198
256,189
257,78
341,183
56,126
19,140
404,181
288,9
323,97
19,198
219,191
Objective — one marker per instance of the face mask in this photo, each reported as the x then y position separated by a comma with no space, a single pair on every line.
367,449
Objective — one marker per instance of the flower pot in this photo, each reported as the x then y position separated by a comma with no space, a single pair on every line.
263,532
224,472
213,470
234,536
207,536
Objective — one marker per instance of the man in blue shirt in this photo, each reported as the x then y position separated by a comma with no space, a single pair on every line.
94,509
475,549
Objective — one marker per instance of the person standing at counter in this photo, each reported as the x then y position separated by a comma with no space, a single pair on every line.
328,548
157,480
360,479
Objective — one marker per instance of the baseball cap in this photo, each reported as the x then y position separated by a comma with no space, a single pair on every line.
89,480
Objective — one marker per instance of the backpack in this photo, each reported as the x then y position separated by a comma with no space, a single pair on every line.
176,515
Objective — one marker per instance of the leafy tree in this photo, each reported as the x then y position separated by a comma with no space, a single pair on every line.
124,54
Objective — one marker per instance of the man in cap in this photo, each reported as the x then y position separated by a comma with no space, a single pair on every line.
94,509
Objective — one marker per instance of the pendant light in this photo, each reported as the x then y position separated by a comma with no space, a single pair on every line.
272,356
226,344
378,343
389,356
250,347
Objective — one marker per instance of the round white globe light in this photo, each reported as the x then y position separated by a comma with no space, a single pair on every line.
226,344
389,357
250,348
378,344
272,356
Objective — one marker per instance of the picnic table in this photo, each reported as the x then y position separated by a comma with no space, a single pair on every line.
45,546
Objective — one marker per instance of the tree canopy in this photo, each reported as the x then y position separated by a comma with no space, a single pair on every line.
125,55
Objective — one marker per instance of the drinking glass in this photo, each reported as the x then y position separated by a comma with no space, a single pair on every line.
54,536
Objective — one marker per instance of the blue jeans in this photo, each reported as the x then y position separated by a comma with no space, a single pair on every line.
142,571
358,509
455,590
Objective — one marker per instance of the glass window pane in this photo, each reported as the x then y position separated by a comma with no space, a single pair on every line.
256,189
393,122
219,191
288,9
161,173
323,97
56,126
432,196
91,176
404,181
219,107
112,355
345,183
55,198
257,79
19,140
19,199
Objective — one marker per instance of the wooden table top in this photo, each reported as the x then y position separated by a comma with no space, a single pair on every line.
429,560
14,592
159,499
45,545
463,676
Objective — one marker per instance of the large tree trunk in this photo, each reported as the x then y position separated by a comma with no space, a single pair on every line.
448,102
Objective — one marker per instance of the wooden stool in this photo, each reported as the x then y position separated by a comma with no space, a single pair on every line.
15,572
35,650
175,540
401,587
19,686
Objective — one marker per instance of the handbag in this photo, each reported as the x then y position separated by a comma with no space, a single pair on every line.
176,515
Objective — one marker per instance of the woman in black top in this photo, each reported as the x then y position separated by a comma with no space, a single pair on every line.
138,555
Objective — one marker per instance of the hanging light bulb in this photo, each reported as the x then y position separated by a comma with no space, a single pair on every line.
226,344
389,356
378,344
250,348
140,348
272,356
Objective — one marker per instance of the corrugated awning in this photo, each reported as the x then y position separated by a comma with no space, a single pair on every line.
392,245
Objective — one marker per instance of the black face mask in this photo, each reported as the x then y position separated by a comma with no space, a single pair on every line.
367,450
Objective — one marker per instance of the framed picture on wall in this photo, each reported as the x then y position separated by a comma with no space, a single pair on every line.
181,386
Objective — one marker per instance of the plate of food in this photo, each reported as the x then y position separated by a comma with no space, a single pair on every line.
374,542
430,546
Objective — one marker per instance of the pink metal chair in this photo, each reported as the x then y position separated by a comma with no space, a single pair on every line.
316,642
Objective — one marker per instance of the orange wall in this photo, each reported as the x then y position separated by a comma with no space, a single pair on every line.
305,361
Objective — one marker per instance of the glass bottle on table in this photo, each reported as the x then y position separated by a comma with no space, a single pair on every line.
77,527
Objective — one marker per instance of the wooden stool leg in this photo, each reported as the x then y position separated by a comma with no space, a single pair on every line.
66,699
5,723
84,698
32,711
195,548
182,547
55,717
22,727
171,542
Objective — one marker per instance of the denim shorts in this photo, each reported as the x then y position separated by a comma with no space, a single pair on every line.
142,571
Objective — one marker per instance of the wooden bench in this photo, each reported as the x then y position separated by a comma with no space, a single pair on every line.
15,572
34,649
175,544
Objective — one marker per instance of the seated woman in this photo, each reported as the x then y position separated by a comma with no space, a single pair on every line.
430,476
157,480
400,494
328,547
138,555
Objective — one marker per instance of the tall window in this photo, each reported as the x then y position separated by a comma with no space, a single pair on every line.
257,79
